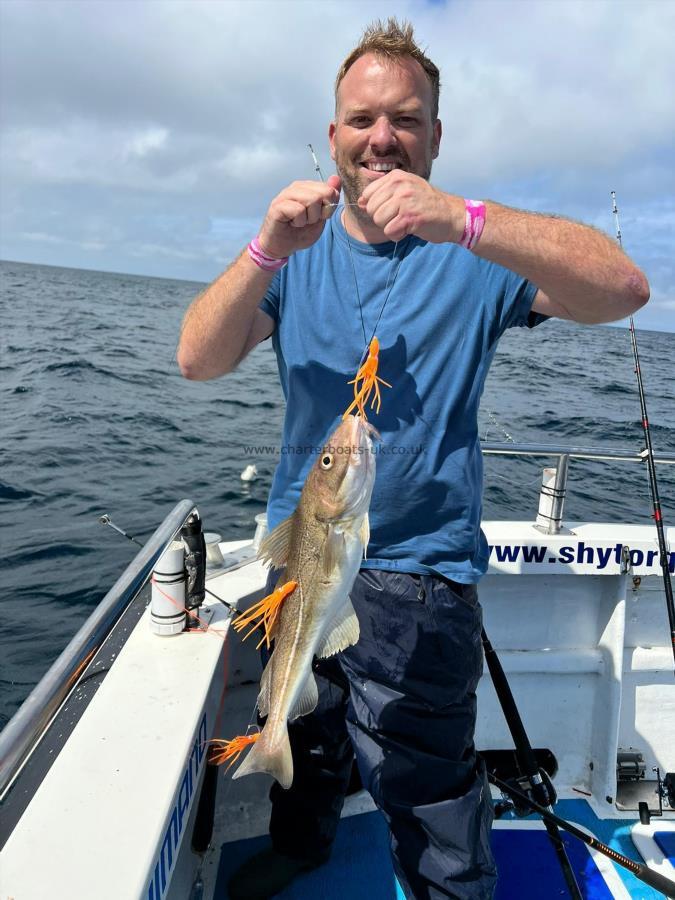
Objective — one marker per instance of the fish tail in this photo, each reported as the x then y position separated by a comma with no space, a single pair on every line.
272,756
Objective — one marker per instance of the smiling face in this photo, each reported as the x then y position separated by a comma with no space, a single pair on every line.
382,122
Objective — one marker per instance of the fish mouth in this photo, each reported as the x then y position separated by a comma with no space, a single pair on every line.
355,441
360,475
361,440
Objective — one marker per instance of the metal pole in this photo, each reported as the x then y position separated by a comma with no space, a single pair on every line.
559,488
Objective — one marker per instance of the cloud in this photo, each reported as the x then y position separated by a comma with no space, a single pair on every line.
134,130
148,141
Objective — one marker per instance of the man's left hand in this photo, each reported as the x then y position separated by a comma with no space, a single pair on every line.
401,203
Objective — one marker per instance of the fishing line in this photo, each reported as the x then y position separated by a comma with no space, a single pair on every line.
358,297
490,471
494,421
387,293
518,484
393,269
648,454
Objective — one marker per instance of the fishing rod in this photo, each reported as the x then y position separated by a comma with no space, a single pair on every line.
644,873
317,169
106,520
538,783
648,453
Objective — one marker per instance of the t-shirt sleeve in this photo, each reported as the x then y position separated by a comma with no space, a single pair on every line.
271,302
515,307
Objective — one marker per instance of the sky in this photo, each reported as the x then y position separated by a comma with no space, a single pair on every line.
150,137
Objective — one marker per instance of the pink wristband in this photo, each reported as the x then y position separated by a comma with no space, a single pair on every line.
262,260
474,223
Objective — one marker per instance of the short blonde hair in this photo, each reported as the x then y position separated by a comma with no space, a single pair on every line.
393,41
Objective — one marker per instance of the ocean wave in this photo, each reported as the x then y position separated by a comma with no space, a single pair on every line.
10,492
49,552
615,388
80,367
244,404
147,420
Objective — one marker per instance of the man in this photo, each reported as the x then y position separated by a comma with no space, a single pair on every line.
390,262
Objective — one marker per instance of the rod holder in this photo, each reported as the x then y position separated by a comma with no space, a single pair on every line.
260,530
552,497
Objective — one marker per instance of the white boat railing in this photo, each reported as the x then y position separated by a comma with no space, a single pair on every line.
508,448
564,454
26,727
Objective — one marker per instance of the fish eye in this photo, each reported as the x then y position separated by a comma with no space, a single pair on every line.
327,461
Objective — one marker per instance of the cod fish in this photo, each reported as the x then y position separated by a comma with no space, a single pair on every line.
320,546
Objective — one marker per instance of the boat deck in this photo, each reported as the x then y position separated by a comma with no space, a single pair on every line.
528,869
361,869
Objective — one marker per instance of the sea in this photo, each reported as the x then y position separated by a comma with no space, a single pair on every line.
97,419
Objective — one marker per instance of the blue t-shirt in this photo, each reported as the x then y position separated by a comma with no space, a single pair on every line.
438,333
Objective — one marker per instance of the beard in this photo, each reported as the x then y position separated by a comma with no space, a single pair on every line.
354,180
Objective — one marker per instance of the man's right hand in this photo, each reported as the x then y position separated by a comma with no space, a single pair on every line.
297,216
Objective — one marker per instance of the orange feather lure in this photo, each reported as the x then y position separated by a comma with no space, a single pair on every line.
367,384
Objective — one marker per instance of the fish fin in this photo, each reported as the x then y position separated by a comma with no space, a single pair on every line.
342,632
307,700
263,701
276,546
334,550
274,758
364,535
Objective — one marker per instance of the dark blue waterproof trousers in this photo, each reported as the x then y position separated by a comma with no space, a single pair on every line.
403,701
